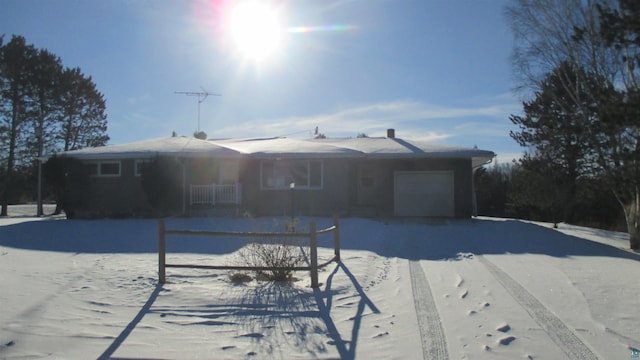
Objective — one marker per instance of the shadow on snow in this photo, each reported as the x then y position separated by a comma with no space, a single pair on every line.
269,314
448,239
412,239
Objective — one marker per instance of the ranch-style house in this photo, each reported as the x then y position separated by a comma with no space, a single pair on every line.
376,176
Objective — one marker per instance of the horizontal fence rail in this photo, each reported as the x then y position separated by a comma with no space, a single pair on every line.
312,235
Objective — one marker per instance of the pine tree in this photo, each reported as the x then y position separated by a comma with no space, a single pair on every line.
558,126
16,61
600,40
620,28
43,108
83,118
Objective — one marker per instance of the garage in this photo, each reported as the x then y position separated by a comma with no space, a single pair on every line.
424,193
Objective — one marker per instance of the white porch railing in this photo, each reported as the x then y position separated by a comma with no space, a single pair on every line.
215,193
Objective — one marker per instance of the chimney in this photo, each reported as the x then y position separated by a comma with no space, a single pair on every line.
391,133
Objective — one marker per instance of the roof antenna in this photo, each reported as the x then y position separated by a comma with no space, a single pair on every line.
202,95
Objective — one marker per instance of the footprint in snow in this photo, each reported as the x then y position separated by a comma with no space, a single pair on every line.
506,340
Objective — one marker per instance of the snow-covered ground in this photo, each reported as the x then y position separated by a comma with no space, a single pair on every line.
406,289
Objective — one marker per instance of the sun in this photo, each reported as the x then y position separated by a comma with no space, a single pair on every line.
256,30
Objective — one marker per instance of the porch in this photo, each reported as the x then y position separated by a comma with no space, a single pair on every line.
213,194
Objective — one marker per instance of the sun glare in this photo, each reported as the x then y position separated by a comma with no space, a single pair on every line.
256,30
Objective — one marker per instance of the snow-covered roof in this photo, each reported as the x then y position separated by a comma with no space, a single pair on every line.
286,147
178,146
379,148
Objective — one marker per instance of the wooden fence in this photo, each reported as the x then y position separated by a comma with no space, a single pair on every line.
312,235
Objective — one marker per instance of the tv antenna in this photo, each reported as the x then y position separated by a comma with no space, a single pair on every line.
201,95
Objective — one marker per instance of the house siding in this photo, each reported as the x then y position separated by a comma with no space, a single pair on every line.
383,203
340,192
331,198
114,196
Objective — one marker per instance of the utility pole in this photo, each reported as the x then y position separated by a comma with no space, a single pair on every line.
40,134
201,95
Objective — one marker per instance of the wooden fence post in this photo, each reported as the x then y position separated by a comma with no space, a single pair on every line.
162,252
314,255
336,237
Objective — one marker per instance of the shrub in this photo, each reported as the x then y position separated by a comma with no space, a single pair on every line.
239,277
69,179
162,183
275,253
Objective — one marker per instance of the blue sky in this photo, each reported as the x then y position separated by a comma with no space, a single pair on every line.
435,70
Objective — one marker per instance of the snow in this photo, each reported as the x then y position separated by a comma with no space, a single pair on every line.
375,147
387,148
174,146
486,289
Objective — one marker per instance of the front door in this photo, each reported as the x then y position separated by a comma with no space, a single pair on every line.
367,185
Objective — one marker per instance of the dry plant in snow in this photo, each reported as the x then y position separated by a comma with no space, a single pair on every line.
280,254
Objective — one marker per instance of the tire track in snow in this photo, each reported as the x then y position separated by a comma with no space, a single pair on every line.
434,344
559,332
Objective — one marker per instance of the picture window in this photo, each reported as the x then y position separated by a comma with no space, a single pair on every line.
306,174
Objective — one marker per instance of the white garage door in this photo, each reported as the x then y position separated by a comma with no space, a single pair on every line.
423,193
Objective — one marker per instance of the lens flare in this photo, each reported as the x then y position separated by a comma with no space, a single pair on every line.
255,29
321,28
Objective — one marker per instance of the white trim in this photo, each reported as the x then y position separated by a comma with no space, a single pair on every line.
137,168
99,164
215,193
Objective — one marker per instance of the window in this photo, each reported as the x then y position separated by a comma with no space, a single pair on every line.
110,169
306,174
104,168
138,166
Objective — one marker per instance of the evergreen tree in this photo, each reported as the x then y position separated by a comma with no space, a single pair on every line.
535,192
491,187
620,156
558,125
161,182
600,41
68,178
43,108
83,118
16,61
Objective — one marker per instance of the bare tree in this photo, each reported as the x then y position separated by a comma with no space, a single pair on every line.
545,37
550,33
